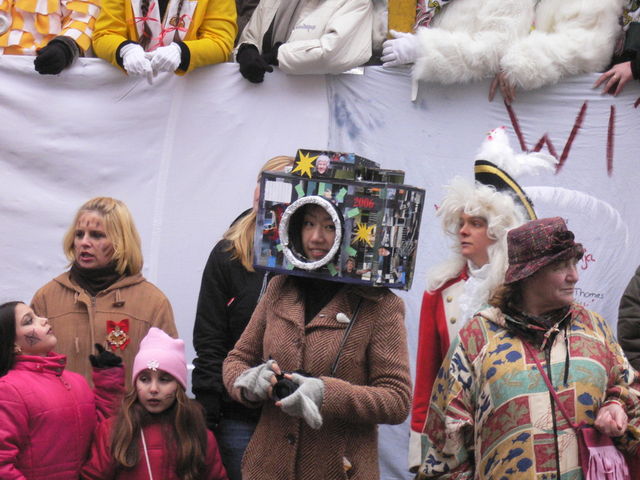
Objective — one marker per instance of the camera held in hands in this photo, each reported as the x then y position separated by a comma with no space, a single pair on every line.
285,386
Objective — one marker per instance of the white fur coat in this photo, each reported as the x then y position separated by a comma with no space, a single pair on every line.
570,37
466,40
475,39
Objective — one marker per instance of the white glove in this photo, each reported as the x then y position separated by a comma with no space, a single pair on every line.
134,60
402,49
255,382
306,401
165,59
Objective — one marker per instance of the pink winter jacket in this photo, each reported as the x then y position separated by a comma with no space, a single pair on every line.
101,465
48,415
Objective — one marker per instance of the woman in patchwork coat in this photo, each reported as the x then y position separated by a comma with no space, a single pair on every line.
491,413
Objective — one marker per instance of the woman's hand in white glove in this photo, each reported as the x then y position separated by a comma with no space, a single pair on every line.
165,59
256,383
306,401
400,50
134,60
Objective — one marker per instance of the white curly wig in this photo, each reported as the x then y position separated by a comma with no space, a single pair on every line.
501,214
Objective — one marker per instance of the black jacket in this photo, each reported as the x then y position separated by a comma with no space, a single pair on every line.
228,295
629,321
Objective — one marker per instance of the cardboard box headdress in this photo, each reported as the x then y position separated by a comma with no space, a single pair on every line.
376,219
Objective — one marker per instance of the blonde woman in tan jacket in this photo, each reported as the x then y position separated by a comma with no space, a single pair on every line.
103,298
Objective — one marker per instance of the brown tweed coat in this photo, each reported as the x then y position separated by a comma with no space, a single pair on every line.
372,384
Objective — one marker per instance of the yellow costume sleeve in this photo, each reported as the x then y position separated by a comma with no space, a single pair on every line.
212,33
114,26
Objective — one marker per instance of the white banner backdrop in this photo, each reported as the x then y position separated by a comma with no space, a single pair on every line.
184,152
437,137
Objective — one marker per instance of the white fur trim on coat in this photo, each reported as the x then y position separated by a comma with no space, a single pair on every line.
570,37
467,39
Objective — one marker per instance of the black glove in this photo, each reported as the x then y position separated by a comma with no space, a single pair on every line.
210,401
252,65
271,57
53,58
104,359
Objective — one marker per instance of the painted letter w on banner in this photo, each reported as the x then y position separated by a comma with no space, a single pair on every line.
577,124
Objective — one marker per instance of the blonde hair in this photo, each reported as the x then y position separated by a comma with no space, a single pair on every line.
240,234
120,229
501,214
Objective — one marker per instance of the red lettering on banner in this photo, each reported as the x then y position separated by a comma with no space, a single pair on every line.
610,132
545,140
587,258
362,202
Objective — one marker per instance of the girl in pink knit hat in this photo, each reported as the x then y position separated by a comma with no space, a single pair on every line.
160,433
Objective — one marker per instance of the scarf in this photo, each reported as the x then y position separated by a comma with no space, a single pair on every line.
94,280
540,330
315,294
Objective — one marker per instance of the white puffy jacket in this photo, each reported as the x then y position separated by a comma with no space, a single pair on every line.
330,36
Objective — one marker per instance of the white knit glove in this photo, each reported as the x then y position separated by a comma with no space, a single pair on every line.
402,49
165,59
135,61
306,401
255,382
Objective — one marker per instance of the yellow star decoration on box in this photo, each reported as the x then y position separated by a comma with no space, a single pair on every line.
304,165
364,233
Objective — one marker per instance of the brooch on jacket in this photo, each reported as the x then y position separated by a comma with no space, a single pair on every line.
118,334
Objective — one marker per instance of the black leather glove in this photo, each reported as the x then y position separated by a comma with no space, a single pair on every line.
252,65
53,58
210,401
104,359
271,57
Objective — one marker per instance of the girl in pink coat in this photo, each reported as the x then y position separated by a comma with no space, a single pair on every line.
47,414
159,434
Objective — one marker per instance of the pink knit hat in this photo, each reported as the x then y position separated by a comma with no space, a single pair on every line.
158,351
